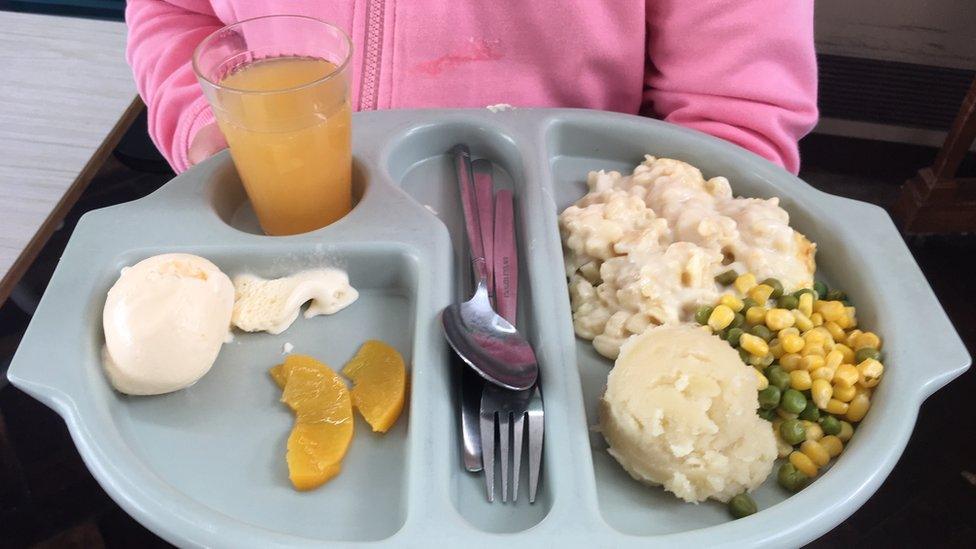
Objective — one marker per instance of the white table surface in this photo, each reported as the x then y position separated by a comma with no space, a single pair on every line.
66,96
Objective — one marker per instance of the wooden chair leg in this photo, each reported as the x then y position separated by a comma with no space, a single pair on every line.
935,200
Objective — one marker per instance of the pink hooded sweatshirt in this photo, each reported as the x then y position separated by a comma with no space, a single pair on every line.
742,70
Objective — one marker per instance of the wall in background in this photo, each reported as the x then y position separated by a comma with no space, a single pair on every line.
895,70
925,32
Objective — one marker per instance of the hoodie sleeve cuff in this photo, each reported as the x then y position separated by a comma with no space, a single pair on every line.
198,116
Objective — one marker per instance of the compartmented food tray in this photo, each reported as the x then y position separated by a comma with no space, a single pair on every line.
205,466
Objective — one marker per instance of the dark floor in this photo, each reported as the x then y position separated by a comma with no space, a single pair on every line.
48,498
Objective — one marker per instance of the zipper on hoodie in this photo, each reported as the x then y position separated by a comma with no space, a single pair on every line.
372,52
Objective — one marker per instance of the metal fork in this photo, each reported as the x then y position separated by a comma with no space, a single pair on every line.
506,412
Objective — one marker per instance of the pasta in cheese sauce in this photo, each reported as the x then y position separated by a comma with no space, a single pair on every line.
643,250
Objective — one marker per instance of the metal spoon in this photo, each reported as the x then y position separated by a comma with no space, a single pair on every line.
488,343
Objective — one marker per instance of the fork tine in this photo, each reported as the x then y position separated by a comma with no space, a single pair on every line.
536,436
504,433
517,425
487,423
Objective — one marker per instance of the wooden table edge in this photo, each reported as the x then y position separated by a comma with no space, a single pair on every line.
68,200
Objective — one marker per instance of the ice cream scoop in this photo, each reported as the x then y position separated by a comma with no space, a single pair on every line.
165,319
272,305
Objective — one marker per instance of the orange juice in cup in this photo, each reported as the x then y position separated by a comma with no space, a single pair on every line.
279,89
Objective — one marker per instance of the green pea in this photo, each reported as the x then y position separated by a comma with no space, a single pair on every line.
811,412
793,431
737,320
769,397
865,353
768,415
836,295
791,478
821,289
742,506
830,425
761,331
793,401
802,291
726,278
788,302
722,334
733,335
744,355
702,314
748,302
777,377
776,285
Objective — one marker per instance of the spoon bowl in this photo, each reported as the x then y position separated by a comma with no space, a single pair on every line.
489,344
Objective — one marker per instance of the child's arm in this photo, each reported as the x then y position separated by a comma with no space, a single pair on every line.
162,36
742,70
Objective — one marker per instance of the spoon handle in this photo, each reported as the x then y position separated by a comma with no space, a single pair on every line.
472,224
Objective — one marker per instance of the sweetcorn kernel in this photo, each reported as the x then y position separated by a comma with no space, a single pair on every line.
779,319
817,453
792,343
858,408
836,331
814,336
822,372
811,348
821,393
790,361
783,333
814,430
831,310
811,362
869,372
817,319
720,318
803,463
745,282
846,431
802,320
731,302
846,351
761,381
846,375
833,359
754,345
832,444
837,407
756,315
806,303
844,393
867,339
800,380
761,293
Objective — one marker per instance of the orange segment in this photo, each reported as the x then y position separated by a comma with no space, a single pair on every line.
278,375
380,384
323,420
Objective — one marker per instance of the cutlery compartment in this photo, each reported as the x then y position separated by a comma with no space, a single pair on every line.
222,441
419,162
